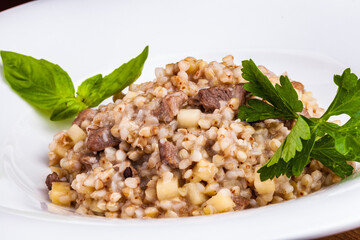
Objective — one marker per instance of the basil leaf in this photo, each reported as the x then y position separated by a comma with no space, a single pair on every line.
96,89
39,82
90,86
67,108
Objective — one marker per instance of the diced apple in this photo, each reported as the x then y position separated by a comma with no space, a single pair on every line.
222,201
76,133
194,195
60,194
188,118
205,170
265,187
167,189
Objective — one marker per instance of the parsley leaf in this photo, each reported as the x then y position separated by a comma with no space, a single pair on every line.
331,144
291,168
283,97
293,154
293,142
347,136
288,95
257,110
347,99
325,152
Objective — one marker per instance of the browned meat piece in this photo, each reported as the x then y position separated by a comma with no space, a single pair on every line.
240,93
168,154
289,123
86,114
170,106
209,98
101,138
87,160
240,202
298,86
143,182
53,177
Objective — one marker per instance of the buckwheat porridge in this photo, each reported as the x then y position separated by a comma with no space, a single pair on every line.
174,147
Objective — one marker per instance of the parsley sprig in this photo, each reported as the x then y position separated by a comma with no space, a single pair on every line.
331,144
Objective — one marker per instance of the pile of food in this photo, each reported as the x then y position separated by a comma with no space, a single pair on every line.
175,147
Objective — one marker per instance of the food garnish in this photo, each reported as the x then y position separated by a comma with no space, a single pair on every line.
47,86
329,143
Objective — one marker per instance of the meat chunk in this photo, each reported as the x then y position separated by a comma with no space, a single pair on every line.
240,202
87,160
143,182
298,86
240,93
289,123
168,154
101,138
53,177
170,106
209,99
86,114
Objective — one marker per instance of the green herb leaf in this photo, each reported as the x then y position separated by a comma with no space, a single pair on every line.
96,89
325,152
257,110
90,87
39,82
47,86
294,167
67,108
347,99
301,159
275,170
293,154
283,97
293,144
288,94
331,144
347,137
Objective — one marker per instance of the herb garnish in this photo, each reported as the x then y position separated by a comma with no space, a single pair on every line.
316,138
47,86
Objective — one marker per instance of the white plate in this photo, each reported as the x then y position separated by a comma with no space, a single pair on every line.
311,40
